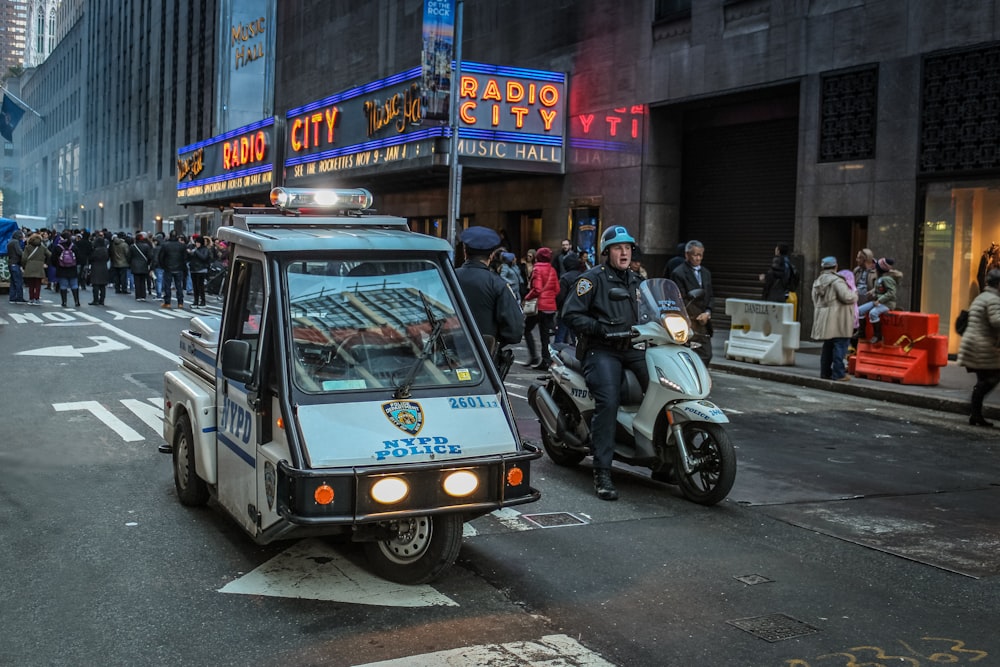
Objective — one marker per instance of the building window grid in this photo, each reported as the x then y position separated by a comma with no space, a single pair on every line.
960,106
848,115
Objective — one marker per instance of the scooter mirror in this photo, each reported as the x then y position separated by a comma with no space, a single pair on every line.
619,294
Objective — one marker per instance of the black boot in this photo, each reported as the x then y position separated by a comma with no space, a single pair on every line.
603,485
76,297
63,293
977,407
876,333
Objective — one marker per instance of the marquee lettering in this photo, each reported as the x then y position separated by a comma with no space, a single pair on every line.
403,108
239,35
191,165
305,130
541,96
244,150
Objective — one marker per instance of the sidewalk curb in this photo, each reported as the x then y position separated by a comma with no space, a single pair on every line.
881,391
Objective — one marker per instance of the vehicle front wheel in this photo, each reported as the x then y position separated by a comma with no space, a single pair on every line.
714,459
191,489
420,549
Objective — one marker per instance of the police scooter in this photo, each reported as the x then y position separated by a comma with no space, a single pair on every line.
672,429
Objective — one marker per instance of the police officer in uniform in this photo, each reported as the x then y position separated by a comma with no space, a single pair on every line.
604,345
494,306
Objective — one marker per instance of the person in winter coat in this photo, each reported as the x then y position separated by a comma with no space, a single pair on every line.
200,258
172,258
118,250
34,264
14,252
566,281
84,246
510,273
140,258
100,272
882,298
545,288
979,351
833,320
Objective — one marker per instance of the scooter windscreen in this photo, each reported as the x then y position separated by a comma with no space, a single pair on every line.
660,301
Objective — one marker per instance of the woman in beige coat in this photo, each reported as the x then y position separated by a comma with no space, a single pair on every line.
34,260
979,351
833,319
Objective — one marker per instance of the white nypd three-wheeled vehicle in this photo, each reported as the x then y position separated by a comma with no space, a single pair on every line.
345,390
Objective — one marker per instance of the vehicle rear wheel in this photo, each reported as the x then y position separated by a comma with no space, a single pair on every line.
421,548
191,489
714,459
560,455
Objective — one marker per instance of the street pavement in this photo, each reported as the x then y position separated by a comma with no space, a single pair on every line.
951,394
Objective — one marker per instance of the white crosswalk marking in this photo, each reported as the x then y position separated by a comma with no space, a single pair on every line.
151,412
117,425
545,652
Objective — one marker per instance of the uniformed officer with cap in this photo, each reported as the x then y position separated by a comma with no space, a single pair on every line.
604,345
494,306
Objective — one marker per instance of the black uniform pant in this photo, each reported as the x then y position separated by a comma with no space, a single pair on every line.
603,369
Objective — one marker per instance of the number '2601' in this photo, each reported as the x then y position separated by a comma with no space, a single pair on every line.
875,656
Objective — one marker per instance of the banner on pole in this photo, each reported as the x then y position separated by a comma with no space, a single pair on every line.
10,116
439,46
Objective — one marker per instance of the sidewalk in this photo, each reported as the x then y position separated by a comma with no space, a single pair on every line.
950,395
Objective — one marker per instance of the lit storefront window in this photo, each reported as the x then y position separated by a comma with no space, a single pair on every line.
961,226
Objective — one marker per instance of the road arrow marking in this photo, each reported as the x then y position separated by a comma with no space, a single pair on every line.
104,344
151,412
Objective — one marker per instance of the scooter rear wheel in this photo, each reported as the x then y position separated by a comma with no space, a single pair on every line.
561,456
715,463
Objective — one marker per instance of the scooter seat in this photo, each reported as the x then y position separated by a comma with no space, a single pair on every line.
567,354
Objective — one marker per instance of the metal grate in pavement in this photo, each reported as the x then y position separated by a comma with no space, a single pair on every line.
774,627
554,519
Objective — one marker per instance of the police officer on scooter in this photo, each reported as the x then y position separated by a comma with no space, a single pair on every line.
603,326
494,306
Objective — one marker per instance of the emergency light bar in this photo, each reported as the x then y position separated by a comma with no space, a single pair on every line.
296,199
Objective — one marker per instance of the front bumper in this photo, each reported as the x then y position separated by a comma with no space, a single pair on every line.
353,503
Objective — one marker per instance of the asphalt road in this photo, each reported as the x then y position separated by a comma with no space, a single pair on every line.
858,533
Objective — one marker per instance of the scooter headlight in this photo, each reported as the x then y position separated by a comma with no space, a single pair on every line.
677,327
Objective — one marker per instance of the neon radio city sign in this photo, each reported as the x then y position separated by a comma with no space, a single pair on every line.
512,99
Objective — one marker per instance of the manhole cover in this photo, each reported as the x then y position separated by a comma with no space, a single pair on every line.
554,519
774,628
752,579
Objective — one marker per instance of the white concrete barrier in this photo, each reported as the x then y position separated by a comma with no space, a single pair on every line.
762,332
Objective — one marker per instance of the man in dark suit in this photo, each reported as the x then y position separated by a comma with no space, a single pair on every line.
689,276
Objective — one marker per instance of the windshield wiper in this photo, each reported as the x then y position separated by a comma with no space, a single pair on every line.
403,391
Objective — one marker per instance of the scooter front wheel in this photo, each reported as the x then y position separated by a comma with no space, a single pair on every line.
714,459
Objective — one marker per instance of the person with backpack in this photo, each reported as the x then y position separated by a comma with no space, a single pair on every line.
67,274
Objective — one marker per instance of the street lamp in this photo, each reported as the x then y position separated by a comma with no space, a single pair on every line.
100,205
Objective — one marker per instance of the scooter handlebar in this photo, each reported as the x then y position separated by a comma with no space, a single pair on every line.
615,335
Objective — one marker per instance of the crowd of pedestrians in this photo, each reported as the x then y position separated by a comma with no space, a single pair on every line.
73,260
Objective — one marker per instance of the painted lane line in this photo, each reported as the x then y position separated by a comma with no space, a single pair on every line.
117,425
545,652
150,414
313,570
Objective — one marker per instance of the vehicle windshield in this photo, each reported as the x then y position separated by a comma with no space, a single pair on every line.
376,324
658,297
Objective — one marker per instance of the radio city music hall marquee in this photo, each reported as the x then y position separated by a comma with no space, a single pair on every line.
509,118
236,163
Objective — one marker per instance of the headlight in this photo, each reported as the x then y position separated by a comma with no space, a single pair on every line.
461,483
677,327
389,490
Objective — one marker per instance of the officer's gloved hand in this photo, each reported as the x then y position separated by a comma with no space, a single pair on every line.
614,331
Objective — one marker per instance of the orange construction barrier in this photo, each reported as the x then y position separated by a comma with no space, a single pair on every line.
911,351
